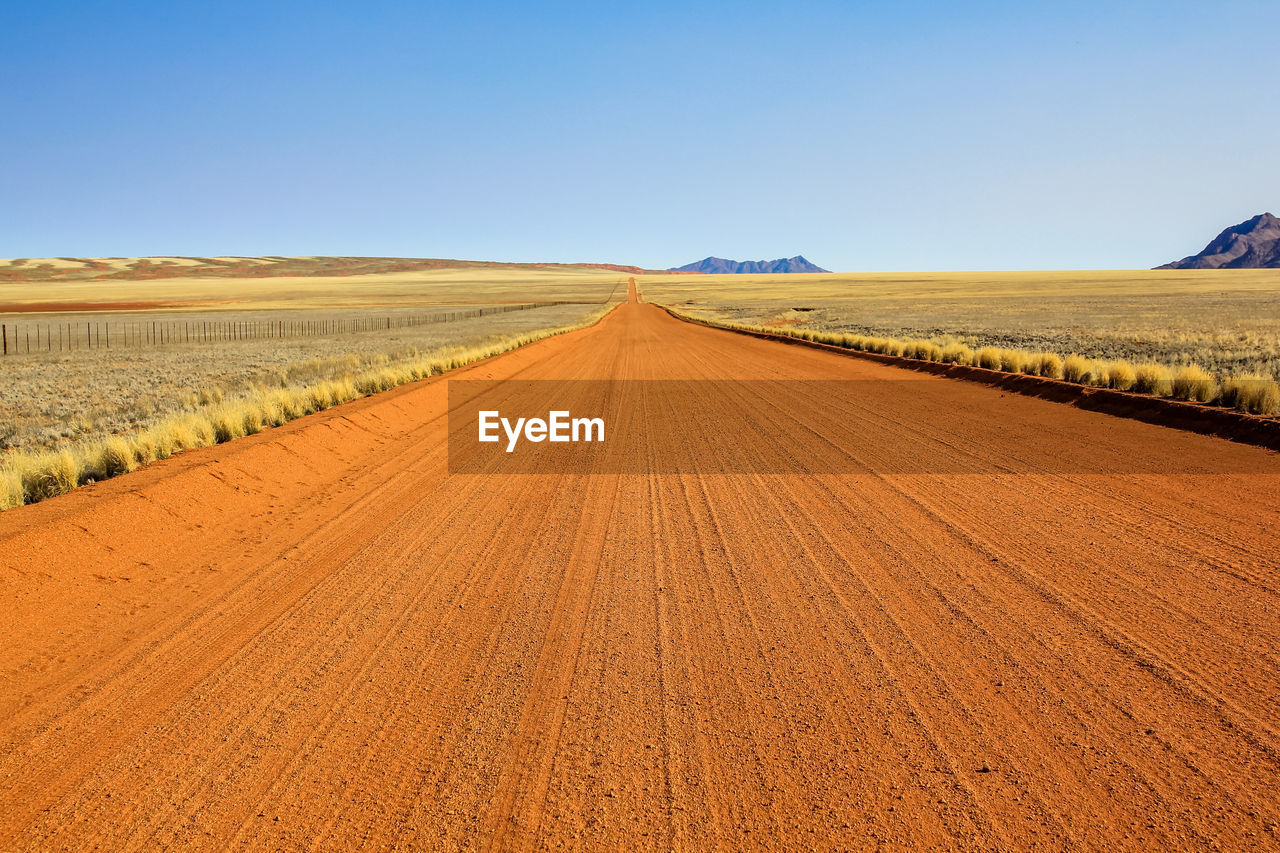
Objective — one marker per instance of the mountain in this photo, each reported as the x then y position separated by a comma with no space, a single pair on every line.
721,265
1254,244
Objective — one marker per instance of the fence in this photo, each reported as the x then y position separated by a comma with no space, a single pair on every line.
22,338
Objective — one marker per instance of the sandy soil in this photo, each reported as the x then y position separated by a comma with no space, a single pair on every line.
316,639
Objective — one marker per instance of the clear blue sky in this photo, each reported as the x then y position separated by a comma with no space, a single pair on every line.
865,135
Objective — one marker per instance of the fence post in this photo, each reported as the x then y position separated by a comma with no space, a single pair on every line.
4,330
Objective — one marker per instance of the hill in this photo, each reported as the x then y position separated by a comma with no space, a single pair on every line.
1253,244
723,265
145,269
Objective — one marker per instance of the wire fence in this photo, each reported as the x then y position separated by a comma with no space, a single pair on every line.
48,337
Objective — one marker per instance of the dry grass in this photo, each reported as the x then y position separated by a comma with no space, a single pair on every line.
1202,335
1152,378
989,357
11,491
214,417
1120,375
47,399
1077,369
1011,360
43,475
1253,394
417,289
1223,320
1046,364
1194,383
956,353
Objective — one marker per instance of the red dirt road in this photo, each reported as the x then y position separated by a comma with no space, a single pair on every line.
316,639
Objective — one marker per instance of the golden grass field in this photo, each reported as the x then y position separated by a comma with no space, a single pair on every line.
1115,328
1222,319
73,415
314,290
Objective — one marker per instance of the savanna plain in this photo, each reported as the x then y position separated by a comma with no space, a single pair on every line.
1058,631
1210,336
207,350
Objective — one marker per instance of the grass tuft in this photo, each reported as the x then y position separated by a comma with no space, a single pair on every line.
957,353
1077,369
1194,383
44,475
1011,360
10,489
1048,365
1251,393
1120,375
1151,378
988,357
924,350
227,424
112,457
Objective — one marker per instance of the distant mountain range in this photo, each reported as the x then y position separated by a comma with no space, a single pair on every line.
722,265
1254,244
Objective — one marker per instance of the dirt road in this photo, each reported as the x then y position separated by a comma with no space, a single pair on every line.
316,639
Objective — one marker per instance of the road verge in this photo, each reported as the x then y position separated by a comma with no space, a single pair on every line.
1260,430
